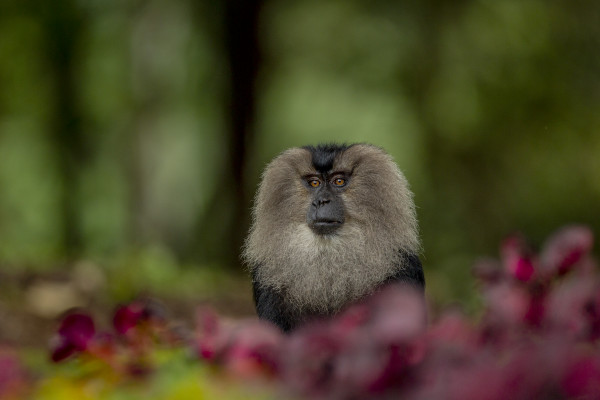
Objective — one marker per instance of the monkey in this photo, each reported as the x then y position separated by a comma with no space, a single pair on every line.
331,224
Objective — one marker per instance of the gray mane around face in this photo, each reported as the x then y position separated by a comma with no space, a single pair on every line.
322,273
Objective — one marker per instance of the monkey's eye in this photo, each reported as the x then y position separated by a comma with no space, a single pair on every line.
339,181
314,183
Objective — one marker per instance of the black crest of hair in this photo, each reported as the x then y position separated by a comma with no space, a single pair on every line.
323,155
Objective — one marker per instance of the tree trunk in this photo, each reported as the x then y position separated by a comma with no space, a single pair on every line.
63,27
224,223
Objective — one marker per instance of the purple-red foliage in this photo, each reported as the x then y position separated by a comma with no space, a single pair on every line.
244,348
14,379
128,317
74,335
536,338
138,328
565,249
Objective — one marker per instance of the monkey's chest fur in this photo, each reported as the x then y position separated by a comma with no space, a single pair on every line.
312,276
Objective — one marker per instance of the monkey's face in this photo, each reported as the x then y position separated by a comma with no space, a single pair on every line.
332,191
326,213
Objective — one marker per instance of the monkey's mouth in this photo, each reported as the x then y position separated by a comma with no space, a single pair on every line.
325,226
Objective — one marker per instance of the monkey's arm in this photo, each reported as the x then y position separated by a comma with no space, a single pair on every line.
271,306
411,272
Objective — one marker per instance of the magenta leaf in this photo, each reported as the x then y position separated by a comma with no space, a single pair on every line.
572,306
517,260
311,359
62,351
453,334
75,333
255,349
507,304
398,315
13,377
582,378
78,330
127,317
488,271
211,338
563,250
536,311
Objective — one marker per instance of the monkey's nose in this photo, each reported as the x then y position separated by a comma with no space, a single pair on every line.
320,202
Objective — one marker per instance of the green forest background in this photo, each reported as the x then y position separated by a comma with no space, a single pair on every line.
133,132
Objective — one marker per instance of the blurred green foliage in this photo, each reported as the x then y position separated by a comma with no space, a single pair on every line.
177,376
114,121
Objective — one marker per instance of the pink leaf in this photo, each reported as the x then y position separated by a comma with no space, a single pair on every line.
78,330
516,259
75,333
127,317
582,378
563,250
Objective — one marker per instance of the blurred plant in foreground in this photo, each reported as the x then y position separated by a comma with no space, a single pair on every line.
537,338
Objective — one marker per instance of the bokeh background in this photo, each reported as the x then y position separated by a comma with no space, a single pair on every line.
133,134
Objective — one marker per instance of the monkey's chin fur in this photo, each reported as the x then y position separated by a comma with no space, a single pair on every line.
319,273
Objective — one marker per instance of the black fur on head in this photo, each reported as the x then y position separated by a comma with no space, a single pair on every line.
323,155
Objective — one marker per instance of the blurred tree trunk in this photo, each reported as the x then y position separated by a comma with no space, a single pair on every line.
221,229
63,24
147,102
